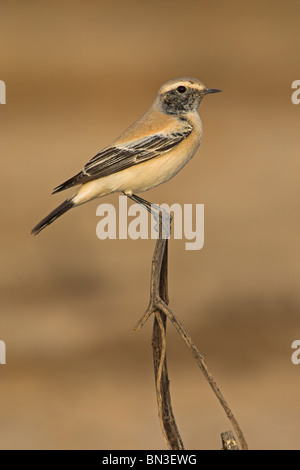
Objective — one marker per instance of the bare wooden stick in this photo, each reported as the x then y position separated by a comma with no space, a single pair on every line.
158,304
229,441
165,412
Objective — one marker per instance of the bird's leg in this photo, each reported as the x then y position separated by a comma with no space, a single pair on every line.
158,213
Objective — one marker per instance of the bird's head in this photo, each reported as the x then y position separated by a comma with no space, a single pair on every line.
181,95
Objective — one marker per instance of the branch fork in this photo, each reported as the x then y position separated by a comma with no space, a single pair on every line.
158,305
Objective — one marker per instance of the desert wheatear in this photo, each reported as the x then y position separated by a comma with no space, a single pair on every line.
150,152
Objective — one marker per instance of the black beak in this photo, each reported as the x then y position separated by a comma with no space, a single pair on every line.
210,90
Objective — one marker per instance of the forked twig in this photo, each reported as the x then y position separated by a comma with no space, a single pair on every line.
158,305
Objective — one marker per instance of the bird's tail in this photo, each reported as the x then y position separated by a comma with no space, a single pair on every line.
60,210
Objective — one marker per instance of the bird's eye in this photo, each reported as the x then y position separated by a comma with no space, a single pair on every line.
181,89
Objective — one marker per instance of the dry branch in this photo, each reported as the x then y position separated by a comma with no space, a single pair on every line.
158,305
229,441
165,413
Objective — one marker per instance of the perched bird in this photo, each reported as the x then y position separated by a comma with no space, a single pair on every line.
150,152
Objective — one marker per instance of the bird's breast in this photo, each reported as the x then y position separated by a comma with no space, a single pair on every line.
158,170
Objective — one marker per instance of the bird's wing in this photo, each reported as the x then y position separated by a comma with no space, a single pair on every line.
119,157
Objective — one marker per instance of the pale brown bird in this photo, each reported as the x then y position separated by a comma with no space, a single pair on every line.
150,152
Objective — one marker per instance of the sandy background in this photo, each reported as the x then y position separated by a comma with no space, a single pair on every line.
78,73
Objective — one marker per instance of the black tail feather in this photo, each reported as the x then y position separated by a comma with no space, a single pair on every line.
60,210
74,181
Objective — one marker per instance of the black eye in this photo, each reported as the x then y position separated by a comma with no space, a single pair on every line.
181,89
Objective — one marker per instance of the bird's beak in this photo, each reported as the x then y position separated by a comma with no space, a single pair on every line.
210,90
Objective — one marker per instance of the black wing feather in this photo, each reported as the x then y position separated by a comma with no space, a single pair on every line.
117,158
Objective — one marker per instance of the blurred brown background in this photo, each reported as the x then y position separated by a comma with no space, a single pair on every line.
78,73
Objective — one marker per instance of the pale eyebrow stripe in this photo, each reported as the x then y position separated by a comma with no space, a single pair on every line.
175,86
